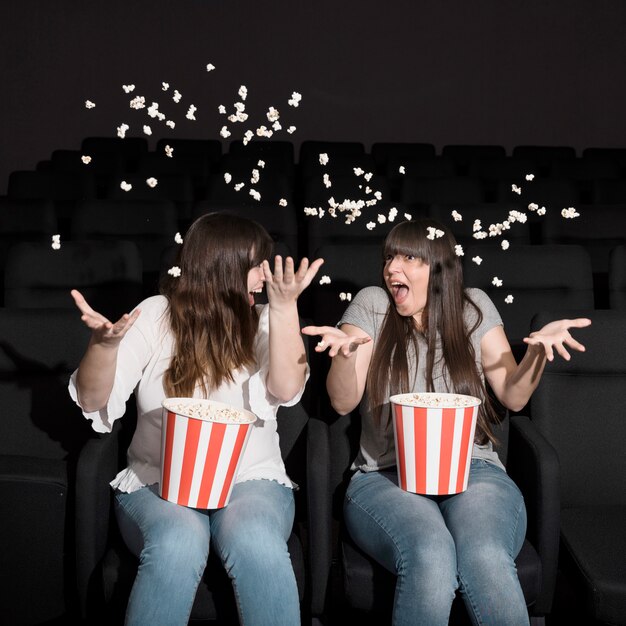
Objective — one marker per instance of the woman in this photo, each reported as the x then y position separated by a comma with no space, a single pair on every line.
205,337
425,332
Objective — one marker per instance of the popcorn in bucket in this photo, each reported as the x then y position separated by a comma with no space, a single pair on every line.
202,444
434,435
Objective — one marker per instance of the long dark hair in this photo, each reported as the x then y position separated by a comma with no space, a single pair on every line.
442,324
209,311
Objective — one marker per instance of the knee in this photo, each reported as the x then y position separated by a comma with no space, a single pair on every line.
177,547
435,554
256,549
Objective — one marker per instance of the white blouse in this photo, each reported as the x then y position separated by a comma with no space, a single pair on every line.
143,357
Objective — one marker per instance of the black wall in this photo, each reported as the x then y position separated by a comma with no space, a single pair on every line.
447,71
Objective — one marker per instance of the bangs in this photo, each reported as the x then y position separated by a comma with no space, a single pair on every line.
262,247
408,238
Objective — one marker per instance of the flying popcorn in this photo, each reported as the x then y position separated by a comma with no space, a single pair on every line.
89,104
56,242
392,214
255,194
496,282
358,171
458,249
291,130
325,280
239,186
456,216
261,163
323,158
408,216
165,86
178,238
263,131
516,189
147,130
402,169
509,299
368,176
282,202
170,123
227,178
476,226
477,260
85,159
541,211
381,219
272,114
125,186
434,233
190,113
570,213
255,176
210,67
221,109
243,92
327,182
295,99
174,271
370,225
533,206
277,126
139,102
152,182
247,137
177,96
169,151
121,130
225,132
530,176
345,296
505,244
128,88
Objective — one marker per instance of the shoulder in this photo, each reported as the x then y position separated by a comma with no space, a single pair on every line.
153,316
490,315
376,297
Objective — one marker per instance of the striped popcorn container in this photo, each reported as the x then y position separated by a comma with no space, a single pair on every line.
202,443
434,435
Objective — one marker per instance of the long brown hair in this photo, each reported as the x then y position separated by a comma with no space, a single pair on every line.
442,324
210,316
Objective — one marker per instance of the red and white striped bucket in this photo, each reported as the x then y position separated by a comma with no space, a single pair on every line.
434,435
202,443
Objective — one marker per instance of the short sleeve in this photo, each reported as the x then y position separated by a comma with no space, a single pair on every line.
367,310
490,316
262,403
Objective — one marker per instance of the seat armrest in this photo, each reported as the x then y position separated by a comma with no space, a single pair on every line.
319,511
534,466
97,465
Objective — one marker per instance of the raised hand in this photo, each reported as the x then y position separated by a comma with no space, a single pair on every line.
335,340
103,331
556,335
286,284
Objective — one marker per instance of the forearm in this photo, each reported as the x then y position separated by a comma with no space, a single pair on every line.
287,358
523,380
96,375
342,384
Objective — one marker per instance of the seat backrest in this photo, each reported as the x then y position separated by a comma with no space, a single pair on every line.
383,152
579,407
617,278
39,348
421,193
538,278
108,274
350,267
150,224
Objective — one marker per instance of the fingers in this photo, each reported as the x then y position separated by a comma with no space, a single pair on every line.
80,302
317,330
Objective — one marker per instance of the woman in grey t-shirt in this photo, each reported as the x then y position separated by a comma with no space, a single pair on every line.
425,332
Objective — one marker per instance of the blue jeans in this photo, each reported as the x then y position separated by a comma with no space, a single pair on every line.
172,542
438,544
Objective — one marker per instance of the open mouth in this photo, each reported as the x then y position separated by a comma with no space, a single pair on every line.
399,291
251,295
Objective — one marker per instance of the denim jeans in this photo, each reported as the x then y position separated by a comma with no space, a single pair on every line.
172,542
438,544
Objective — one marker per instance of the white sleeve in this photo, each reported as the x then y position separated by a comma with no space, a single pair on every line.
262,403
132,357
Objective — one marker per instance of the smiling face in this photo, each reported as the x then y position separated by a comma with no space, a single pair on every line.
256,280
406,277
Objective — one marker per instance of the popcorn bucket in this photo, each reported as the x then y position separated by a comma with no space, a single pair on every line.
202,443
434,435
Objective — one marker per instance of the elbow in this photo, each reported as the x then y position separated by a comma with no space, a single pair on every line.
340,407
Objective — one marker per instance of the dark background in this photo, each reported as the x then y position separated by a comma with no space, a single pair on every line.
507,72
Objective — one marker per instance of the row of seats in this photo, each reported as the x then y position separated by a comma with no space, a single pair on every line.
54,475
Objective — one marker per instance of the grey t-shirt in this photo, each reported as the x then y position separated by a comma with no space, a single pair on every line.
367,311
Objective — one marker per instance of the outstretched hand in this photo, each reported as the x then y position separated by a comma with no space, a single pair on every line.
335,340
103,331
555,336
286,284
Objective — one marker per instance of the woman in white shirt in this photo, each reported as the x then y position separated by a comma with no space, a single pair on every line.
205,337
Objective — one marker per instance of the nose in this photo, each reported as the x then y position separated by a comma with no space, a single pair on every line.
394,265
